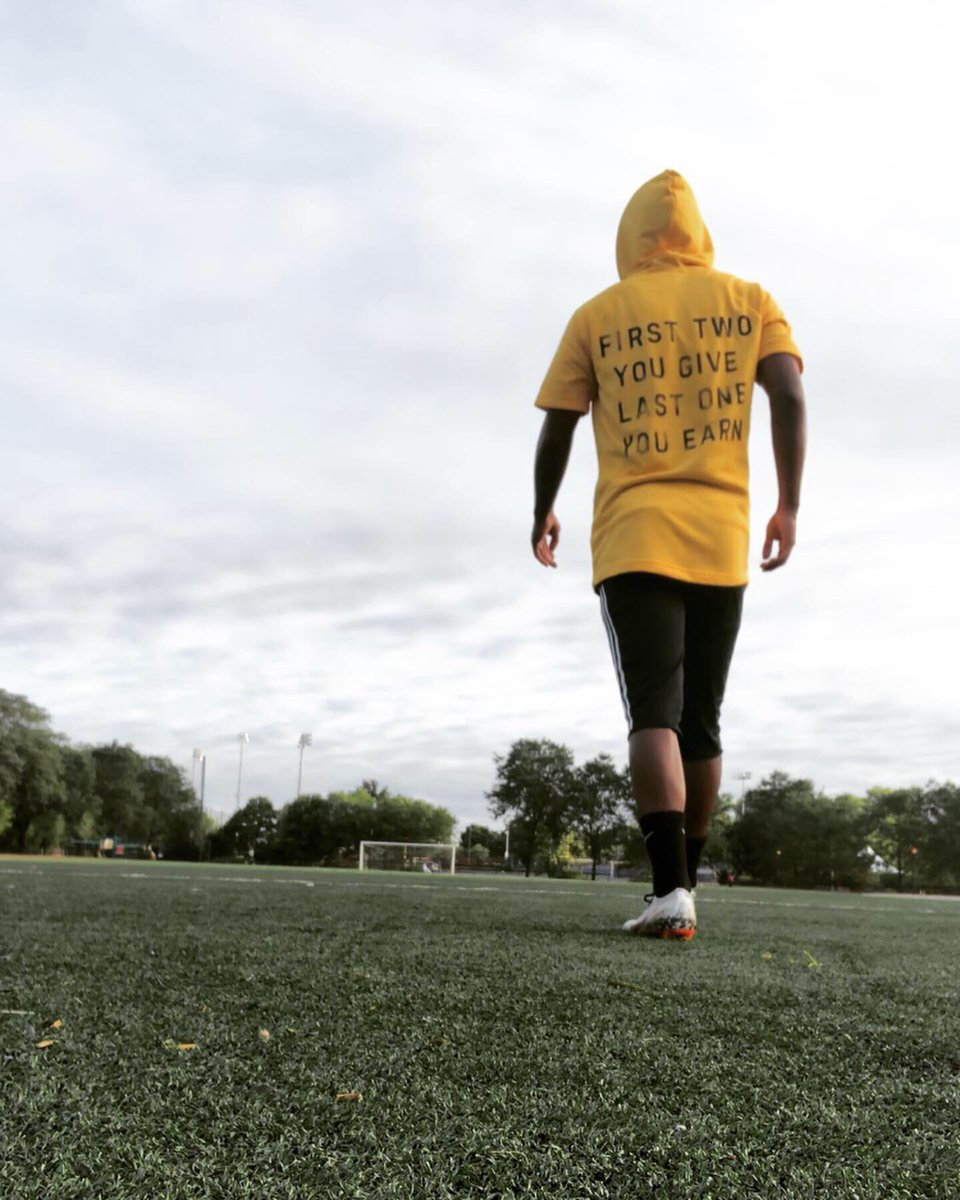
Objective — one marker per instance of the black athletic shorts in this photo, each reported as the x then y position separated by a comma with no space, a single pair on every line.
672,643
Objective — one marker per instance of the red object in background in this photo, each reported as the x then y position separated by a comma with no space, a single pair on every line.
118,851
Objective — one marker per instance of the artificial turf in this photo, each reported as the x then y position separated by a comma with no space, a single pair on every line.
505,1038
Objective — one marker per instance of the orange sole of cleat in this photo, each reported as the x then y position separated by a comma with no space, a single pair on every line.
678,935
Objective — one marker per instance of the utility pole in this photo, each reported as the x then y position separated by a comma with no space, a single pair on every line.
306,739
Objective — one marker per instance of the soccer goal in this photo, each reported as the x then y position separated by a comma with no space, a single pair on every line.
428,857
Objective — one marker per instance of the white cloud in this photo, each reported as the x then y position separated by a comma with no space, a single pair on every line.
282,283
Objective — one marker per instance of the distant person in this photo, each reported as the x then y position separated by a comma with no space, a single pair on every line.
665,362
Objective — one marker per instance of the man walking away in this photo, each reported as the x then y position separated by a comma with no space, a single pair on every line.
665,362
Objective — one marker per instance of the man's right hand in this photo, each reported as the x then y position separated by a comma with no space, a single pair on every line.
782,529
779,376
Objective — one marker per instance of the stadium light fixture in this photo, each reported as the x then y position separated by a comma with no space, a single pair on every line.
306,739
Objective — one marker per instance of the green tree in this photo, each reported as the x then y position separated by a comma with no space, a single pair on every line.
534,789
31,766
146,798
6,818
482,842
352,816
717,849
120,791
633,850
184,830
792,835
382,816
87,828
898,827
560,861
314,829
601,798
81,807
171,815
940,866
254,828
404,819
837,843
46,832
317,829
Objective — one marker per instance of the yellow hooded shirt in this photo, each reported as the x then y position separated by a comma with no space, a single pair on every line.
666,360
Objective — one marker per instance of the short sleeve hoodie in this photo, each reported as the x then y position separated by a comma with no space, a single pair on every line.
665,360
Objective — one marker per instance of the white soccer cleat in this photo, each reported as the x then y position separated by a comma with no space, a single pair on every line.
673,917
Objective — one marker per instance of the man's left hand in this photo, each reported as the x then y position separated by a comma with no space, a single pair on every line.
544,539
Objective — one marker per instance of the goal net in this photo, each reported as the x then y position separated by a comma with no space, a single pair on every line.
426,857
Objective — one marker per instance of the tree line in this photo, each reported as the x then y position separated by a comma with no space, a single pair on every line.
55,796
783,831
327,830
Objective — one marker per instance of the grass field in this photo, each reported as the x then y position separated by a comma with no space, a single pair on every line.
506,1040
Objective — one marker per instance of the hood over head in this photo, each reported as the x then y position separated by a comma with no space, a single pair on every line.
662,227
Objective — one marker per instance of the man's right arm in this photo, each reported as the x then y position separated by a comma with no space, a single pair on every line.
779,376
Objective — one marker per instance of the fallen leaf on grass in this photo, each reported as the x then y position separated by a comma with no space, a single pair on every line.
15,1012
766,956
264,1035
45,1043
170,1044
349,1095
57,1024
812,963
439,1041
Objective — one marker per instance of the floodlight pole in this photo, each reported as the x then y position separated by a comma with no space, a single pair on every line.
306,739
743,777
197,757
203,789
242,738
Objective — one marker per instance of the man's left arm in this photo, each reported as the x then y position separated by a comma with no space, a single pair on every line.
549,467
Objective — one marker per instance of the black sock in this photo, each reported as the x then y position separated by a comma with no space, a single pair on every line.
664,839
694,850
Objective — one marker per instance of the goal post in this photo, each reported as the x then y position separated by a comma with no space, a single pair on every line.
428,857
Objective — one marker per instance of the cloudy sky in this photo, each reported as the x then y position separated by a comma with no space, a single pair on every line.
281,279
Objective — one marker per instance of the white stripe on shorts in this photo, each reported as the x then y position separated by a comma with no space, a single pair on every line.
615,652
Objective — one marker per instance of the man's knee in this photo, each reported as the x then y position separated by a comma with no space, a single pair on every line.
701,742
